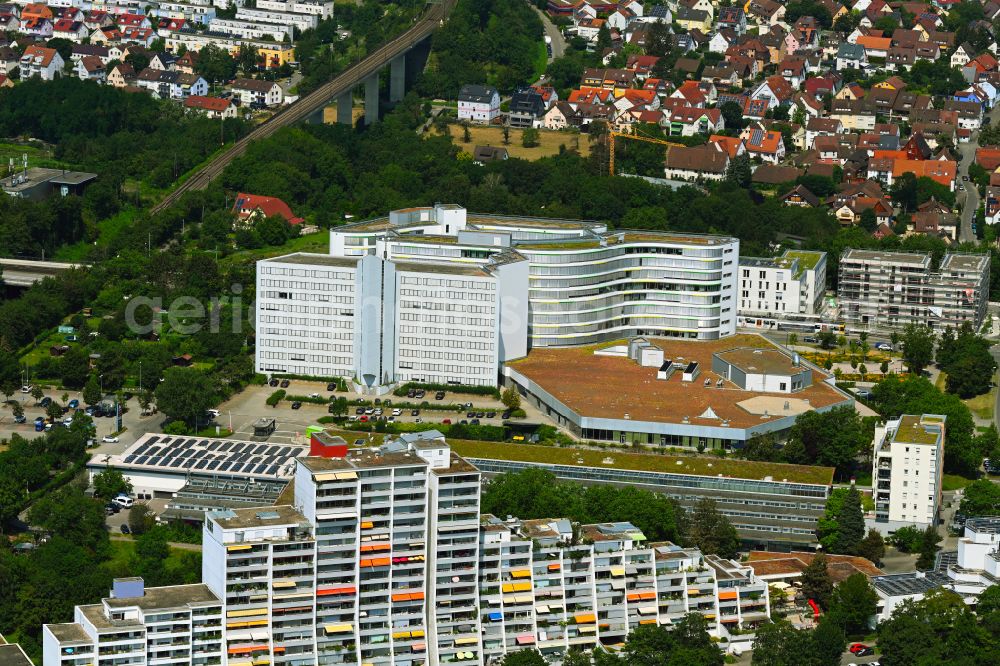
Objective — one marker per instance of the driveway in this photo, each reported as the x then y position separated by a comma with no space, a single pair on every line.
970,200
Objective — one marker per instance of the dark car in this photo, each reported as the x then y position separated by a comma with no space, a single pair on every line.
471,415
296,404
421,393
273,382
505,415
491,415
439,395
412,393
464,422
480,415
125,530
46,401
20,419
359,410
331,386
415,412
284,383
474,422
73,404
89,411
111,509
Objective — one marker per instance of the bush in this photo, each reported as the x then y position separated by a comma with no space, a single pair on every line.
307,398
275,398
450,388
907,539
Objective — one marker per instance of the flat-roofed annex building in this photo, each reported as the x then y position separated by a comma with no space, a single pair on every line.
442,296
889,290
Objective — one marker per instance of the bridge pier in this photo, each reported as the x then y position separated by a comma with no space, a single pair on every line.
397,78
371,100
345,104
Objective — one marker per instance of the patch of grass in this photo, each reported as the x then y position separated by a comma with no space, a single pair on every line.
108,230
548,141
318,242
954,482
701,465
982,405
38,154
540,61
863,479
939,383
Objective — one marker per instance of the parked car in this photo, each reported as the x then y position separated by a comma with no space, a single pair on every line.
26,388
273,382
296,404
491,415
858,648
471,415
71,338
439,395
415,412
810,340
109,439
73,404
332,386
505,415
46,401
446,421
111,509
883,346
420,393
124,501
125,530
474,422
359,410
39,426
284,383
20,419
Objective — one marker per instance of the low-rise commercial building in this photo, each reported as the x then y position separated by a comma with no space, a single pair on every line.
889,290
907,469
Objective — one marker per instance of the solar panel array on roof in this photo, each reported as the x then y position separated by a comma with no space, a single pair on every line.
211,456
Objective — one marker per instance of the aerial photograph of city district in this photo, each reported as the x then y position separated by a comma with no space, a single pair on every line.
499,332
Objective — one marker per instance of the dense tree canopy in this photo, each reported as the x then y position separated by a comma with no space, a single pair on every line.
535,493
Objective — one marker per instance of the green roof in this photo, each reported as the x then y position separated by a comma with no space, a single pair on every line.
647,462
807,260
925,429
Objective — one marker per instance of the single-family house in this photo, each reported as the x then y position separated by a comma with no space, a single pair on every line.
90,68
851,56
689,121
121,75
213,107
707,162
42,62
768,145
259,94
251,207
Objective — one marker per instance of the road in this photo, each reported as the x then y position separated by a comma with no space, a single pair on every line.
971,200
314,101
552,31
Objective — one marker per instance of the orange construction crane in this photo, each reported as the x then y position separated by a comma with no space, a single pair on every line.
625,135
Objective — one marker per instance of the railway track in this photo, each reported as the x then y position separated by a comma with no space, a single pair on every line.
314,101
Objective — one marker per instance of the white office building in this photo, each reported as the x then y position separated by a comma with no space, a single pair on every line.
486,288
792,284
290,19
250,29
323,10
907,468
384,559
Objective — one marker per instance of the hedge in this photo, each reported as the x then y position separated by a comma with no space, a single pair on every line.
275,398
307,398
453,388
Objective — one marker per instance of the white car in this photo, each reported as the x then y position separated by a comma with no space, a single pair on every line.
123,501
26,388
109,439
214,413
883,346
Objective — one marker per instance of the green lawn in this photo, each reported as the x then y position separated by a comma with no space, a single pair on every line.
122,551
982,405
541,61
318,242
108,230
954,482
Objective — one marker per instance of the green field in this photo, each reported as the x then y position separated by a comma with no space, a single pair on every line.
38,156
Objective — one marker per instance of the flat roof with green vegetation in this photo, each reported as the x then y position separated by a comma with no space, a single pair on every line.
646,462
926,429
807,260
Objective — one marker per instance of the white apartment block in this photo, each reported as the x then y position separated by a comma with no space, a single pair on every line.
907,468
195,12
323,10
793,283
176,625
250,30
975,567
384,559
291,19
556,283
886,290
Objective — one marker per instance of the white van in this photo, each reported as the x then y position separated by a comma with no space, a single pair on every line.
123,501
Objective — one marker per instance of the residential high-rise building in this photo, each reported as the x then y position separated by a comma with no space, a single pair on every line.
889,290
791,284
383,558
908,465
436,295
181,624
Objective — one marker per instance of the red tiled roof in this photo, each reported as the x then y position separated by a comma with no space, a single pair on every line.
247,204
217,104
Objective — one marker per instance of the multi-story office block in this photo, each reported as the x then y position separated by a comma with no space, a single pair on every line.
548,586
385,560
908,465
793,283
486,288
179,625
889,290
